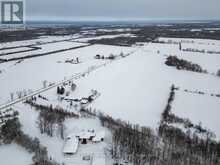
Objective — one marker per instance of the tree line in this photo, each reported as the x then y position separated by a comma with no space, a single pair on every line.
11,132
51,119
184,142
181,64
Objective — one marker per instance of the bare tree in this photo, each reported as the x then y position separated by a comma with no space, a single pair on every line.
218,73
44,83
12,96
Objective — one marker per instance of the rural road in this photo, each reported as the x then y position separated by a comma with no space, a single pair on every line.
74,77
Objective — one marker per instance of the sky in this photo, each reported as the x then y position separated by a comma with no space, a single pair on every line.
104,10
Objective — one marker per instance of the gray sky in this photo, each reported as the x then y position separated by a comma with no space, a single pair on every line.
122,9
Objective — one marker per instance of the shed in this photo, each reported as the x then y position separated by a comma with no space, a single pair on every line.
71,145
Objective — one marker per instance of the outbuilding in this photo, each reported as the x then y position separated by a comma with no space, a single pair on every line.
85,136
71,145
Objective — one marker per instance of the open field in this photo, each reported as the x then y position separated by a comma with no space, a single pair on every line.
134,86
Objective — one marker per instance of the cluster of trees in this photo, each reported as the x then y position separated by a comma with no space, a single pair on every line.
110,57
193,50
218,73
119,41
11,132
60,90
7,114
151,33
42,97
135,144
19,94
201,93
132,143
99,57
73,61
200,51
196,92
168,117
49,121
88,112
213,52
110,122
184,64
191,145
187,148
57,110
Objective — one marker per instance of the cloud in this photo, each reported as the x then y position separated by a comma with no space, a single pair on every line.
122,9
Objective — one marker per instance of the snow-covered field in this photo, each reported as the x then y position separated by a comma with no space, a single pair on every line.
210,62
13,154
41,40
134,88
46,48
199,108
54,144
137,78
51,68
14,50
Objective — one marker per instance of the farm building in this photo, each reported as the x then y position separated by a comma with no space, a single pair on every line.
99,137
85,136
72,140
71,145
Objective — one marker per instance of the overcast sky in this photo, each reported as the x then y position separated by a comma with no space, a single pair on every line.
122,9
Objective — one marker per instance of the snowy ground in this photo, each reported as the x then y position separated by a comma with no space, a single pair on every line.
137,78
138,91
13,154
55,145
210,62
41,40
45,48
134,88
199,108
14,50
51,68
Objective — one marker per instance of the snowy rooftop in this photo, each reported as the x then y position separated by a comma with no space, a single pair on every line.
86,134
71,145
99,136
